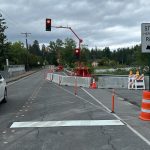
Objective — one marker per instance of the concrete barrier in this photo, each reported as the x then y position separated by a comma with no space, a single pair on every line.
84,81
146,82
69,80
117,81
103,81
112,82
56,78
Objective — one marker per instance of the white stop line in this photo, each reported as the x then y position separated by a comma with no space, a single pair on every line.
38,124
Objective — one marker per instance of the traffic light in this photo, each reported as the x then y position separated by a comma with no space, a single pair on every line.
77,52
48,24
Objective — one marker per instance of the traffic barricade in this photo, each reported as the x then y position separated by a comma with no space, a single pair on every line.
136,81
131,81
139,83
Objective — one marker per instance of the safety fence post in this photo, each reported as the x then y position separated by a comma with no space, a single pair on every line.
113,101
75,87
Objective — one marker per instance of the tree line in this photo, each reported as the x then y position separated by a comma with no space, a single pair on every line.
63,52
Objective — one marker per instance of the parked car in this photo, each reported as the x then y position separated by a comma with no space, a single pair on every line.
3,90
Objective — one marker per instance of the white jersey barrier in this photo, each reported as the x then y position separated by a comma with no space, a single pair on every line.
56,78
49,76
69,80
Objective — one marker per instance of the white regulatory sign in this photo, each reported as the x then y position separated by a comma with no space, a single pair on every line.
145,37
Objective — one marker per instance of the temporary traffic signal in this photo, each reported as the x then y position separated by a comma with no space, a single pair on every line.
48,24
77,52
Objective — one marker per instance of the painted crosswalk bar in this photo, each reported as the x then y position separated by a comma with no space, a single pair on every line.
67,123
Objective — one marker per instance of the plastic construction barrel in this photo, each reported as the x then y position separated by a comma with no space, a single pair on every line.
145,106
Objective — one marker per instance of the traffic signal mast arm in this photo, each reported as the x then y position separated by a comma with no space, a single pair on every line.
80,70
80,40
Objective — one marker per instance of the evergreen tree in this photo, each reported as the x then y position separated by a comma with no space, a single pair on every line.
43,50
3,42
35,48
17,53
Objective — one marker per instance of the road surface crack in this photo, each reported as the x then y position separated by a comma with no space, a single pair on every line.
108,137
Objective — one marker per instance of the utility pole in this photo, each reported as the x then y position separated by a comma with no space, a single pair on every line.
26,36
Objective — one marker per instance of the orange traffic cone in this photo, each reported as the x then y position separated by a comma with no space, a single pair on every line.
145,108
93,84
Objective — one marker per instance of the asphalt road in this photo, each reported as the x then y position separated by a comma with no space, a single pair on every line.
35,99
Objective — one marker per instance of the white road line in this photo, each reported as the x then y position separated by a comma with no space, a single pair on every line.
131,128
96,100
81,98
67,123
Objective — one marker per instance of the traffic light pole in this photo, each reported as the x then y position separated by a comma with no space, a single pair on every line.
80,40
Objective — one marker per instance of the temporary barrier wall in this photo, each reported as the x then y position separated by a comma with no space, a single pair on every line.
103,81
69,80
49,76
84,81
112,82
56,78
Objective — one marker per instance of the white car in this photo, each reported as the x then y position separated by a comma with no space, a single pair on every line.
3,90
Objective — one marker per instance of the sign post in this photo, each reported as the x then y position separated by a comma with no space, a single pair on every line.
145,41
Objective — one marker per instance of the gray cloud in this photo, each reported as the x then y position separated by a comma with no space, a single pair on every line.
98,22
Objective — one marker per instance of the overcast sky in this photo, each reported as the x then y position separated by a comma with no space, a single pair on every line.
101,23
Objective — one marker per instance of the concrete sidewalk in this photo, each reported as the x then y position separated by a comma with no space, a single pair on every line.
124,110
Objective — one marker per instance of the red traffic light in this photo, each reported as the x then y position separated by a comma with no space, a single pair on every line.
77,52
48,24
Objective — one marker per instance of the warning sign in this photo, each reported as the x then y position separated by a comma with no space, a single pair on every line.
145,37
